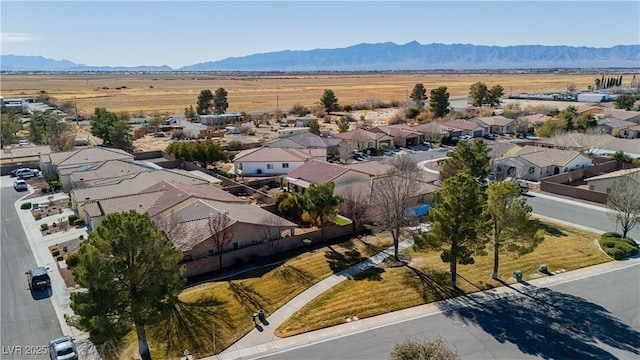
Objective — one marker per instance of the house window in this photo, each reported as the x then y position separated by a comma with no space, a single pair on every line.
237,245
531,170
285,165
212,252
269,166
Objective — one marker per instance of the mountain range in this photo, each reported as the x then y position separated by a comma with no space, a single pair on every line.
387,56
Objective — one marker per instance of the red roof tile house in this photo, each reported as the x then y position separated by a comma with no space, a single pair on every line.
457,128
403,135
363,139
497,124
319,172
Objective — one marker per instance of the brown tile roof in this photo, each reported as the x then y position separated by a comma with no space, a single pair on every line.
401,131
497,120
306,141
174,194
431,128
453,125
615,174
615,123
359,135
317,172
104,170
139,202
87,156
133,184
373,168
264,154
535,118
17,152
192,221
498,149
620,114
544,157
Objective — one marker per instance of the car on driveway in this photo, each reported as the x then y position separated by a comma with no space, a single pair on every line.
26,173
38,278
20,185
63,348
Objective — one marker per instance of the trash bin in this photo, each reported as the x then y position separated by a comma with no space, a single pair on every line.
543,268
517,275
261,314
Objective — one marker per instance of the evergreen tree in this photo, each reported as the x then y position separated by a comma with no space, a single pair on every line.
205,102
129,270
220,103
455,218
439,101
419,95
329,101
314,127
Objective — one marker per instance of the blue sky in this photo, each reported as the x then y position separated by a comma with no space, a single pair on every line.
129,33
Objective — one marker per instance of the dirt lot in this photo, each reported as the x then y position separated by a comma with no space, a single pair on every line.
144,94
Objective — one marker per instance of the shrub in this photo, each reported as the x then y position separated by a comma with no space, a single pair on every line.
81,237
59,258
55,185
55,252
612,235
69,204
72,218
617,247
72,260
44,226
26,205
234,145
78,222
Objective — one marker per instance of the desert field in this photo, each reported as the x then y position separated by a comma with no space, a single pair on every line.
168,94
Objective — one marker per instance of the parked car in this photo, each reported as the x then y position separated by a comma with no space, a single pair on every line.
20,185
63,348
26,173
489,136
38,278
23,143
466,137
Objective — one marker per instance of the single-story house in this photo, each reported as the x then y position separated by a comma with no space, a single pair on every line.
157,200
619,128
533,162
603,183
89,175
194,228
363,139
626,115
306,141
402,135
457,128
591,109
320,172
51,164
532,121
128,185
273,160
22,156
220,121
497,124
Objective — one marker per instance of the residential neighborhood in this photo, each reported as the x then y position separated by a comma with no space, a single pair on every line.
363,198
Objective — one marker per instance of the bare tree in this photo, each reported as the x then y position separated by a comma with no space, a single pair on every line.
393,195
355,202
624,201
345,150
222,231
272,231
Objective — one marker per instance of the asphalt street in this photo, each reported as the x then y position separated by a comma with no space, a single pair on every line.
571,211
595,317
28,320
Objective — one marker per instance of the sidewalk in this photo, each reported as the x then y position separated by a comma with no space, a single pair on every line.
250,349
40,248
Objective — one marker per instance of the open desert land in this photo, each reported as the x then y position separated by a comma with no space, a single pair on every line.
170,93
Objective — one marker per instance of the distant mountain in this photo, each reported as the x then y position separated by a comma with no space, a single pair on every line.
39,63
381,57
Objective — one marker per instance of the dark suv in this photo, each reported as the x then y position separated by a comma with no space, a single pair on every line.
38,278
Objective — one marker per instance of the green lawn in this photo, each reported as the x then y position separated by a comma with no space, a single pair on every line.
341,220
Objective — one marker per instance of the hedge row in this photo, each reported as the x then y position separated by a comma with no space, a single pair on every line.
614,245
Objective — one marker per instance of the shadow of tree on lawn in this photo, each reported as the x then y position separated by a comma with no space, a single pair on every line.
288,273
551,230
339,261
433,286
550,324
248,297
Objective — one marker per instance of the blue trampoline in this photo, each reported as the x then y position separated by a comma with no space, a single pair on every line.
420,210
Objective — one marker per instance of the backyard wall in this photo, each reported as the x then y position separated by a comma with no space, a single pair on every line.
566,184
247,254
